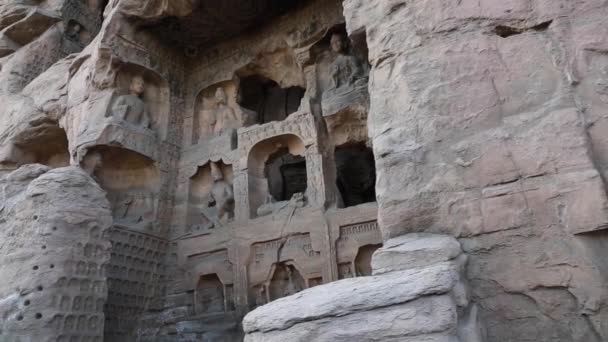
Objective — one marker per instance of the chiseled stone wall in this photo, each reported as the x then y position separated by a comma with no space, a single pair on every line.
487,120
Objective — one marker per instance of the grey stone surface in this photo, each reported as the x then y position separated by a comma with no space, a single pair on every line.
417,320
351,295
414,250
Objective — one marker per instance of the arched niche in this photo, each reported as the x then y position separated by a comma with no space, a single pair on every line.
43,143
363,260
155,97
266,100
210,295
355,174
132,183
216,112
286,147
285,280
272,86
202,207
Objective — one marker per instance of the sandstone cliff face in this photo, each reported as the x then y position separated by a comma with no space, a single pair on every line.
247,151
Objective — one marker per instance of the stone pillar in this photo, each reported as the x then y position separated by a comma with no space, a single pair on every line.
54,252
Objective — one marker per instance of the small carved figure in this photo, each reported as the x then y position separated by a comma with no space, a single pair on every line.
221,198
131,108
73,31
347,74
223,117
345,272
292,287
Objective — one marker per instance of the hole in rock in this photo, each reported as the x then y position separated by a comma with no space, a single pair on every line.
508,31
355,174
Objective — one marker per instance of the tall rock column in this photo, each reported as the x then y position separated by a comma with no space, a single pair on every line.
53,252
487,120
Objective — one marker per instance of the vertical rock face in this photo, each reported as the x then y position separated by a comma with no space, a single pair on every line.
54,249
487,123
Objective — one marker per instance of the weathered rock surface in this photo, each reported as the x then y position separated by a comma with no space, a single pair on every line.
486,118
413,251
54,249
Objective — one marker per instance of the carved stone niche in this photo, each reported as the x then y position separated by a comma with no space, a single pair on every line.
209,295
213,285
355,247
141,101
272,86
355,174
342,74
286,280
266,101
217,113
211,198
132,182
43,143
277,174
273,262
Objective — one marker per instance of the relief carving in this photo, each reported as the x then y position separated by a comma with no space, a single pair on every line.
221,197
348,78
222,118
218,204
131,108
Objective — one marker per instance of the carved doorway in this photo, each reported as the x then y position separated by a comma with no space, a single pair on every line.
209,295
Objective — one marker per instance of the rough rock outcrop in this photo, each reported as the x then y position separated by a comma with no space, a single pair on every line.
420,295
54,249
